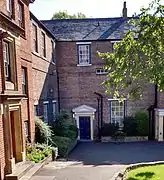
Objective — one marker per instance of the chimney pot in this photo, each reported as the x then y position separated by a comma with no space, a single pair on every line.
124,11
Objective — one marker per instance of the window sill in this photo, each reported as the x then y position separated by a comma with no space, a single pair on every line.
53,63
79,65
35,53
43,57
24,98
101,74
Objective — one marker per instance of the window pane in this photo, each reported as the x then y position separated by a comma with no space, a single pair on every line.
117,112
6,57
24,83
45,107
84,54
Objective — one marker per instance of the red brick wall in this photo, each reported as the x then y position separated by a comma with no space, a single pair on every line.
44,69
78,84
23,58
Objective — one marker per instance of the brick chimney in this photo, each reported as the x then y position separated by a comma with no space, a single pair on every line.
125,11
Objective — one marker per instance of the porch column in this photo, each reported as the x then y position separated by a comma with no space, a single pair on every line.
160,128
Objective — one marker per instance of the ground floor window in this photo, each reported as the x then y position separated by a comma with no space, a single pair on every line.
54,109
45,111
36,110
26,128
117,111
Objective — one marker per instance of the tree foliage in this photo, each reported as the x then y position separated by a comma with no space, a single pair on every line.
139,57
65,15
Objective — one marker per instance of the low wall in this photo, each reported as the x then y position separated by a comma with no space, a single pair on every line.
125,139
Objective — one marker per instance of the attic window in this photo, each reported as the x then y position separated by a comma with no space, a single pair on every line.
101,71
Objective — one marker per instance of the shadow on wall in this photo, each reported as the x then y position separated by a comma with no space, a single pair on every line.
48,100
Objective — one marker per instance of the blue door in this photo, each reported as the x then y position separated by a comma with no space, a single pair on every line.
84,126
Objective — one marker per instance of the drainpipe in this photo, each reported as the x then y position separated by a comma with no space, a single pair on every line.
58,92
101,105
98,114
156,96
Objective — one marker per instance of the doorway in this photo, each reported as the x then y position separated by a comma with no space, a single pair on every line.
85,127
16,136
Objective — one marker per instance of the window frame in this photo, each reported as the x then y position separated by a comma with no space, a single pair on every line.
26,128
24,80
45,103
102,71
88,55
35,37
9,7
7,53
36,109
54,104
21,14
53,55
43,44
124,111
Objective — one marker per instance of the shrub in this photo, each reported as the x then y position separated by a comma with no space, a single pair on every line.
130,126
62,144
65,126
37,152
141,119
119,135
109,129
43,132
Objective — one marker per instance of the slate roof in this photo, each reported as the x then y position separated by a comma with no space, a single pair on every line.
88,29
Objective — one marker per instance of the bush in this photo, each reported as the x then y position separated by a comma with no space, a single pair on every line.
109,129
37,152
130,126
141,119
65,126
62,144
119,135
43,132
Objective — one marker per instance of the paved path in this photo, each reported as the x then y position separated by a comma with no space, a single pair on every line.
100,161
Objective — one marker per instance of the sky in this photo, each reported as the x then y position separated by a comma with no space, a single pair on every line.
44,9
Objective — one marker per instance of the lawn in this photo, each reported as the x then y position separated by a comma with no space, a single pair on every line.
147,173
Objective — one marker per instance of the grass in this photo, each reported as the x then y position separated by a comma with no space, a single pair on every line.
147,173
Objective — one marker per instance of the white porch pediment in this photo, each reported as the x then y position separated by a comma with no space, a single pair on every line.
84,109
159,112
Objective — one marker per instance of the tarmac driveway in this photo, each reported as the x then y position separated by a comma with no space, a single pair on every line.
100,161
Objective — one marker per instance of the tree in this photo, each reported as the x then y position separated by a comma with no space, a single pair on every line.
139,57
65,15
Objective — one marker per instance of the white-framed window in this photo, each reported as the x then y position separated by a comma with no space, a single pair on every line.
45,111
24,80
117,111
21,14
26,128
84,54
101,71
53,50
9,6
35,38
6,57
43,44
36,109
54,109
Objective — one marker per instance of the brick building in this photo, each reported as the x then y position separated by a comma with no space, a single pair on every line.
45,86
16,98
81,71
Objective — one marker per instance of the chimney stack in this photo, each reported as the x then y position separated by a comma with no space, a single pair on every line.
125,11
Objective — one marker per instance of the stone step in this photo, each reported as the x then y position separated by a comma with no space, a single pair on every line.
20,170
